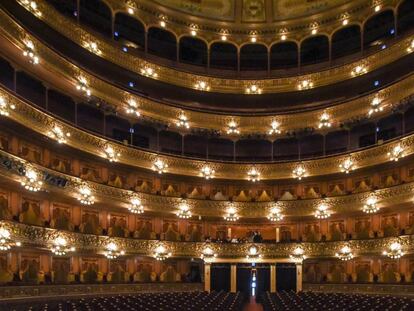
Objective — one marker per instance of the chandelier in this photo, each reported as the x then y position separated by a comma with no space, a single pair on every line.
133,108
112,251
208,254
324,121
253,175
345,253
161,253
394,251
298,254
299,172
275,215
29,52
347,165
31,180
202,86
31,6
253,253
322,211
86,197
396,153
60,247
183,121
82,86
207,172
370,207
231,214
57,133
274,128
136,206
359,70
375,106
232,128
6,243
305,85
149,72
4,107
411,46
92,47
111,154
159,166
184,210
253,89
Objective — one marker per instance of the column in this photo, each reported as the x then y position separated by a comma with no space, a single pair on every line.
273,278
207,277
298,277
277,234
233,278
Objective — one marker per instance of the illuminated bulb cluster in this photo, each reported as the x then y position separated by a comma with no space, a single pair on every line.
322,212
130,10
359,70
375,106
6,242
4,107
305,85
29,52
283,37
86,197
163,24
136,206
183,121
396,153
253,253
411,47
275,215
253,89
253,175
133,108
207,172
60,248
31,6
231,214
161,253
299,172
298,254
202,86
274,128
324,121
345,253
82,86
149,72
394,251
31,181
58,134
347,165
92,47
159,166
112,252
111,154
184,210
370,207
232,128
208,254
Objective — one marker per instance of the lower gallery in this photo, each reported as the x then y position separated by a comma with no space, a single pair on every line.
206,155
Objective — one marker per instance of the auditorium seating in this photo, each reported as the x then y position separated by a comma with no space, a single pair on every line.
333,301
180,301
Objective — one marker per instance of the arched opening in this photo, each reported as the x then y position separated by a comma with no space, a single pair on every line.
117,128
195,146
193,51
223,56
220,149
66,7
253,150
253,57
311,146
378,28
284,55
314,50
61,105
162,43
129,31
346,41
97,15
286,149
405,16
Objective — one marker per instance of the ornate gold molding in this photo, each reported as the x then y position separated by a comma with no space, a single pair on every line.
180,78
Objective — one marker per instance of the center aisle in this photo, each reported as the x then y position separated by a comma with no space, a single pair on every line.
252,305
